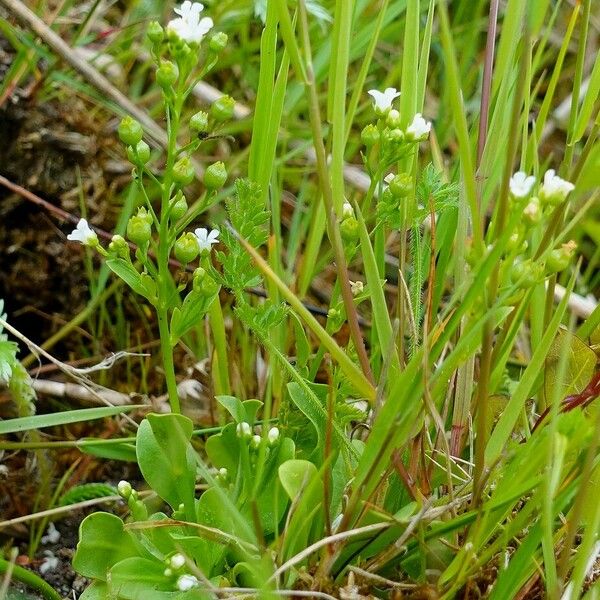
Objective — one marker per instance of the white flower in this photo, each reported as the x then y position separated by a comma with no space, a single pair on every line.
357,287
255,441
52,535
419,128
50,563
554,187
382,101
243,429
206,239
273,435
84,234
521,185
186,582
347,210
189,26
177,561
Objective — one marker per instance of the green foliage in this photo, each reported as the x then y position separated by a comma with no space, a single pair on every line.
249,218
86,491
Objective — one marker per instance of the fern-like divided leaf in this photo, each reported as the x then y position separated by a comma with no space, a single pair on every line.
87,491
8,352
249,218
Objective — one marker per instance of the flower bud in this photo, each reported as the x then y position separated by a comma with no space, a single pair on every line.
179,206
139,229
347,210
199,122
349,230
119,246
186,248
559,259
401,185
222,108
124,489
142,212
218,42
393,119
177,561
255,442
526,273
243,430
155,32
183,171
369,135
167,74
130,131
532,213
215,176
273,436
393,136
139,154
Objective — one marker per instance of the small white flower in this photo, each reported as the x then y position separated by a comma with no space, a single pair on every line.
124,489
223,472
532,212
382,101
347,210
388,178
50,563
206,239
554,187
255,441
52,535
189,26
419,128
273,435
521,185
186,582
84,234
3,471
357,287
243,429
177,561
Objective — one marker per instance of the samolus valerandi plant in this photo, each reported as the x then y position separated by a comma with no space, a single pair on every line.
183,55
455,439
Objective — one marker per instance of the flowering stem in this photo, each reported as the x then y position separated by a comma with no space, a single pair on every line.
217,325
167,358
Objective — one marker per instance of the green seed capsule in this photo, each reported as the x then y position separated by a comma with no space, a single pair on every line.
186,248
179,207
401,185
349,230
199,122
139,230
183,171
222,109
130,131
215,176
370,135
218,42
167,74
155,33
